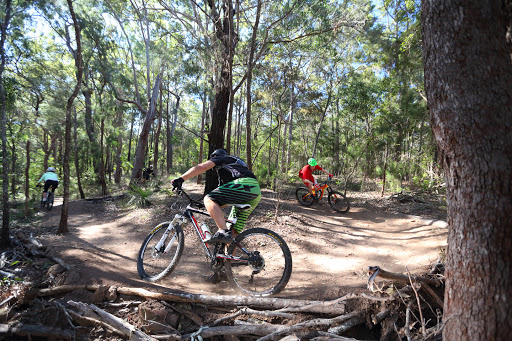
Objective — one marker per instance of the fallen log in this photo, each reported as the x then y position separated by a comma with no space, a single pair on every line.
269,303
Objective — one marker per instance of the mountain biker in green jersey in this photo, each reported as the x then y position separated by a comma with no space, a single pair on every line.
237,185
49,179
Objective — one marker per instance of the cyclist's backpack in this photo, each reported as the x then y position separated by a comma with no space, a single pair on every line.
238,161
229,167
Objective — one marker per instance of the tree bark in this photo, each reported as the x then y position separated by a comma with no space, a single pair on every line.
224,31
468,80
63,224
4,240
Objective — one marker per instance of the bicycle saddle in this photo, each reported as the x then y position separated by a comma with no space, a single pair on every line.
242,206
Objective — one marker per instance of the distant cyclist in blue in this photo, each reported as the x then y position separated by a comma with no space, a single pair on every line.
49,178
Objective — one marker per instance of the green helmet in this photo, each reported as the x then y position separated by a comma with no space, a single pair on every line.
312,162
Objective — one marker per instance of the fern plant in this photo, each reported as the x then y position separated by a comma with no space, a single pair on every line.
139,196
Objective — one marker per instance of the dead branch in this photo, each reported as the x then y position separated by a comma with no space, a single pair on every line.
312,323
246,329
33,249
33,330
356,319
249,311
91,322
127,329
400,277
431,292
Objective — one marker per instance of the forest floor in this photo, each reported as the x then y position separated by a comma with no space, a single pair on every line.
331,251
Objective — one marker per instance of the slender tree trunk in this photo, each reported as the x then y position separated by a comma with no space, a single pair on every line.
201,142
173,128
13,166
157,133
89,126
118,171
27,179
290,127
77,158
250,65
468,81
103,181
5,240
63,224
144,134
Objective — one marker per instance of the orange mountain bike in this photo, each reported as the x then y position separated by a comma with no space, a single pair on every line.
337,200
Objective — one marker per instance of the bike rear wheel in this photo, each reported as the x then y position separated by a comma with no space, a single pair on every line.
339,202
153,262
304,197
49,201
263,264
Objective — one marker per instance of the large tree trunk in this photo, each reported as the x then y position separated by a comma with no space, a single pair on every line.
4,240
63,224
468,80
225,35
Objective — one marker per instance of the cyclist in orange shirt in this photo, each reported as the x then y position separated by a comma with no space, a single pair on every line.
306,174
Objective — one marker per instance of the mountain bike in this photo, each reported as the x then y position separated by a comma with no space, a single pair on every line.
257,262
337,200
49,198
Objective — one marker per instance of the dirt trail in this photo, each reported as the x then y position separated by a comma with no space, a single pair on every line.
331,252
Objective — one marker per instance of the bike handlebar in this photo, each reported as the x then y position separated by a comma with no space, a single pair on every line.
180,191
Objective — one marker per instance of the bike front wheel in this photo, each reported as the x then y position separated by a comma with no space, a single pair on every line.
160,252
304,197
339,202
259,262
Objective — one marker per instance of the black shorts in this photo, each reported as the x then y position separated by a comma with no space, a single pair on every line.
52,183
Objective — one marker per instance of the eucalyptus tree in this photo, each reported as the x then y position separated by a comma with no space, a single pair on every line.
77,54
468,81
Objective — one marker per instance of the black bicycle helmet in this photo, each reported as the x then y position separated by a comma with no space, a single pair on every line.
219,152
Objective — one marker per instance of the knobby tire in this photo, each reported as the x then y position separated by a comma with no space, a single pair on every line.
304,197
339,202
153,265
273,269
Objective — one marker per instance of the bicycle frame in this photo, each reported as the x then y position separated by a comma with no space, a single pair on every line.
322,188
188,215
